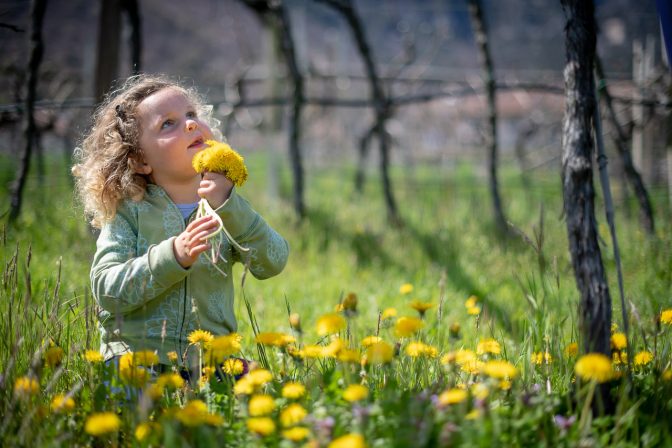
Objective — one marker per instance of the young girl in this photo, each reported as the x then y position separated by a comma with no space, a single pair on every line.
136,181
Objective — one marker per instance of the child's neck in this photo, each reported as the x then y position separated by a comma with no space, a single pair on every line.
183,193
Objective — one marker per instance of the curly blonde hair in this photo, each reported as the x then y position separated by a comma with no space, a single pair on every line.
105,162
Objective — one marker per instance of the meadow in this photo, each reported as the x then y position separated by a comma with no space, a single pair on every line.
437,333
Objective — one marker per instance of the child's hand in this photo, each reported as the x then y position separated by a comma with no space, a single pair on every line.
191,243
216,188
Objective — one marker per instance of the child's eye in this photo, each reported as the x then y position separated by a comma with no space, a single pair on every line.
191,114
166,124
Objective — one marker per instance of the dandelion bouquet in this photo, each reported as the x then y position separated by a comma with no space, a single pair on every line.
220,158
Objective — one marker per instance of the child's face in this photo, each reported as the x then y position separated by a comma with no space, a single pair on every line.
171,134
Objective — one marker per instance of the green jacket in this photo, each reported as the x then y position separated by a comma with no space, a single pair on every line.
147,300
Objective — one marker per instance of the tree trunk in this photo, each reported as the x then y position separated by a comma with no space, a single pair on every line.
481,36
107,57
382,106
37,11
362,156
577,177
620,140
133,11
298,100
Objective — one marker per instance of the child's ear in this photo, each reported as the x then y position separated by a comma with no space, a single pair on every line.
139,166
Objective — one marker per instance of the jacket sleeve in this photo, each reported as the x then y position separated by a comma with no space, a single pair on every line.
123,280
268,251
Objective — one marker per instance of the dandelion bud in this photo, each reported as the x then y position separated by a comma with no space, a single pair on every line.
350,302
295,322
455,330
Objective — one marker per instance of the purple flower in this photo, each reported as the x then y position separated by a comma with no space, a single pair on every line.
564,423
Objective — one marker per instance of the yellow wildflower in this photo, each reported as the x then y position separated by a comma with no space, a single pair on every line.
407,326
330,323
292,415
355,392
261,405
243,386
618,341
221,158
26,386
233,366
295,322
539,358
473,367
53,356
463,356
312,351
643,358
199,337
421,307
418,349
260,377
293,391
452,396
275,339
370,340
195,413
572,349
500,369
406,288
619,357
296,434
380,353
667,375
352,440
62,404
471,302
488,345
473,414
262,426
222,347
172,356
93,356
666,316
388,313
505,384
474,310
145,358
594,366
170,381
348,356
136,376
145,430
454,330
333,348
480,391
102,423
350,302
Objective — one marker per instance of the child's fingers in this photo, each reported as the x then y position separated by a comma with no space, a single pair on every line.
200,236
199,249
199,221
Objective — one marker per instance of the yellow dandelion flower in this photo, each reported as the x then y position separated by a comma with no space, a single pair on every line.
463,356
480,391
26,386
172,356
540,358
666,316
618,341
370,340
471,302
195,413
292,415
500,369
274,339
221,158
572,349
473,414
330,323
296,434
221,347
53,356
170,381
454,330
261,405
619,357
421,307
293,391
406,288
594,367
348,356
135,376
262,426
407,326
62,404
102,423
643,358
199,337
667,375
350,302
312,351
388,313
243,386
233,366
260,377
355,392
448,358
145,430
505,385
452,396
419,349
295,322
333,348
93,356
352,440
380,353
488,345
473,367
145,358
474,310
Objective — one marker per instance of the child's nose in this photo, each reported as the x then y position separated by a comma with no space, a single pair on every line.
191,125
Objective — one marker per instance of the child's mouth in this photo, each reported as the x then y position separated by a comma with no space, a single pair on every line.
197,142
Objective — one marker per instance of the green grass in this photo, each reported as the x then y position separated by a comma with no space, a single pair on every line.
447,249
